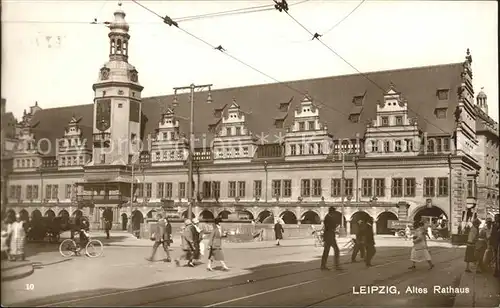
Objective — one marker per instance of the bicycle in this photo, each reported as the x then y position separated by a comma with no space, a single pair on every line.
69,248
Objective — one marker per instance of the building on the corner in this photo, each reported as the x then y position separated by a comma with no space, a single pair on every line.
8,142
405,138
487,155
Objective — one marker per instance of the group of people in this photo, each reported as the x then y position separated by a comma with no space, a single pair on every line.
13,239
483,245
191,242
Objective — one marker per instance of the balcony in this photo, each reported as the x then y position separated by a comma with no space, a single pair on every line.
101,139
202,154
49,163
102,199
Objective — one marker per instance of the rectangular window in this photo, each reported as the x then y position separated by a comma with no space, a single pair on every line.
28,192
48,192
387,146
374,146
238,131
441,113
397,146
301,149
257,188
399,120
216,189
276,188
182,189
311,148
354,118
228,131
160,190
232,189
140,190
446,144
287,188
55,191
311,125
429,187
348,187
442,187
410,184
207,190
12,191
320,148
397,188
149,188
301,126
379,187
241,189
442,95
317,187
68,191
168,190
18,191
305,188
367,187
470,189
293,150
336,187
34,192
385,121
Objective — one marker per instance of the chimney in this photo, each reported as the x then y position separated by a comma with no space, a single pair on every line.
34,109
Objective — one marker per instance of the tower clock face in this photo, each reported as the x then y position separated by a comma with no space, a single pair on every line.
103,114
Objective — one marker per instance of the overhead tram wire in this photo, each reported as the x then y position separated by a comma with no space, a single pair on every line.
227,13
317,102
317,37
342,20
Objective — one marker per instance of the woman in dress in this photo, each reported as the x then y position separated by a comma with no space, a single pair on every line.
278,232
17,239
470,251
420,251
215,246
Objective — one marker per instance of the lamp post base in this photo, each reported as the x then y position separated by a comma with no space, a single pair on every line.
342,232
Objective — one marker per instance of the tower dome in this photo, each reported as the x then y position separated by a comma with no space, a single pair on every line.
482,101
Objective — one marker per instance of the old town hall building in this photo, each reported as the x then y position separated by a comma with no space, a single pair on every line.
407,140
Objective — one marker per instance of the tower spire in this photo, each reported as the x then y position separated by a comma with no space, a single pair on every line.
118,36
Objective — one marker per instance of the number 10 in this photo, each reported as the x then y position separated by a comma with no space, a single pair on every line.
30,286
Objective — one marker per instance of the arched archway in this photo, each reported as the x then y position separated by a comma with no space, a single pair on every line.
77,214
107,214
11,215
36,216
50,214
245,215
263,216
151,214
185,214
382,222
25,216
137,220
311,217
429,214
224,214
124,221
206,215
357,217
288,217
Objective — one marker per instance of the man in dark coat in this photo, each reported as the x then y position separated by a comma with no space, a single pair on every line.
369,242
107,226
161,236
359,244
187,244
331,224
278,232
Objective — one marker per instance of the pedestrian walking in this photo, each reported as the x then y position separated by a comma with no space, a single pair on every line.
480,248
197,238
495,242
359,246
215,246
278,231
369,242
470,251
187,244
488,253
161,236
420,251
17,239
107,227
5,240
330,225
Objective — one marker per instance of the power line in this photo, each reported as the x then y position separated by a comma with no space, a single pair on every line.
221,49
317,37
347,16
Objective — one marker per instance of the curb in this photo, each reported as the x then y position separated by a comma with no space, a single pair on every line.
7,277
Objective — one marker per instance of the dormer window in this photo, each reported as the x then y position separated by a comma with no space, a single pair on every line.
238,131
165,136
301,126
385,121
217,113
358,100
399,120
354,118
279,123
228,131
441,113
311,125
172,135
443,94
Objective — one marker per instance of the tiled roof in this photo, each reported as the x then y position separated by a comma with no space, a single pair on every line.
333,96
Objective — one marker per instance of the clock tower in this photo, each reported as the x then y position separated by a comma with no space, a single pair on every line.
117,101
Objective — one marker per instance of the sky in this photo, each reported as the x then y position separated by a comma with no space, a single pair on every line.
51,53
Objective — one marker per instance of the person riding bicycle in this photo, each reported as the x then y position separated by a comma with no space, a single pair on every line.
83,233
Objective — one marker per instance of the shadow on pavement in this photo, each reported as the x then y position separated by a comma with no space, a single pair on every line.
192,292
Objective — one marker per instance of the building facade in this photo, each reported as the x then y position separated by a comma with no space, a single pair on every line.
267,150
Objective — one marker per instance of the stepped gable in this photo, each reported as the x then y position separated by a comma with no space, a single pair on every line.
260,103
